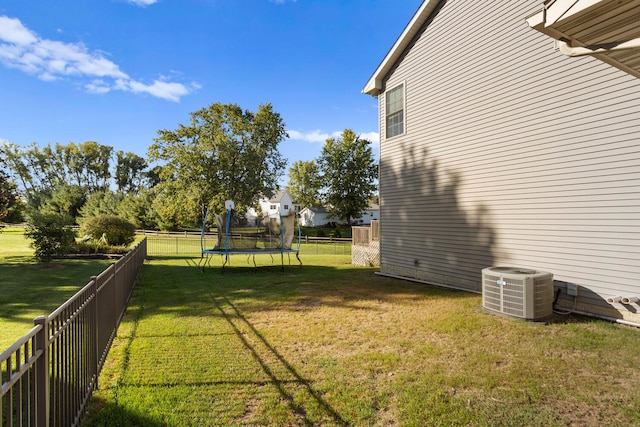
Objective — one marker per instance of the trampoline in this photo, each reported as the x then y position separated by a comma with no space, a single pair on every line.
274,236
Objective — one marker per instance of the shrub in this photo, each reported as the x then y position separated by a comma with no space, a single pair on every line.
320,233
96,247
336,233
50,234
90,247
118,231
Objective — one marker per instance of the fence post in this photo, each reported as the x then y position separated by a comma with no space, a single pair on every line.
96,329
41,372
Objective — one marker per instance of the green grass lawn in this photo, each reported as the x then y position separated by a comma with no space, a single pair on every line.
327,344
330,344
29,289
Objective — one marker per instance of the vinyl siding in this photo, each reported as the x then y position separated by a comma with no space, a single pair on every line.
512,155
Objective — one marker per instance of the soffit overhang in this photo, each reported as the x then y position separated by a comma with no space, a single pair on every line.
606,29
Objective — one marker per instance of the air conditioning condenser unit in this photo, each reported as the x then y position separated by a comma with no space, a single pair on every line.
518,292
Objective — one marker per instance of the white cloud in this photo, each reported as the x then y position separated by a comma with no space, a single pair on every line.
24,50
321,137
97,86
161,89
12,31
313,136
371,136
143,2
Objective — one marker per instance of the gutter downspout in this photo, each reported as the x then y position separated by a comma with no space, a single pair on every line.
596,49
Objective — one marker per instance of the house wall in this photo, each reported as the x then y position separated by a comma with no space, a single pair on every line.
513,154
286,200
308,218
367,216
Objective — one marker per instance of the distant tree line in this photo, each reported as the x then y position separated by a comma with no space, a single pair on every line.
222,153
78,181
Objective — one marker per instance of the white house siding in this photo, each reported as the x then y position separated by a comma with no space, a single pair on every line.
311,218
513,155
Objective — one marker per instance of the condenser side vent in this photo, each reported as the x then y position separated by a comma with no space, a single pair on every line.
516,292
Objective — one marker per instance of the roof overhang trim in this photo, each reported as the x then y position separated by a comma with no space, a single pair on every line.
375,84
568,21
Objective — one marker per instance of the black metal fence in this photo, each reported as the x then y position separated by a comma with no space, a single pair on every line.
49,375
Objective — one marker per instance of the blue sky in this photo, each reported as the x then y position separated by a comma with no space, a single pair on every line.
117,71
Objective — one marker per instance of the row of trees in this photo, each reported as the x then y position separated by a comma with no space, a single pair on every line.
11,206
223,153
76,181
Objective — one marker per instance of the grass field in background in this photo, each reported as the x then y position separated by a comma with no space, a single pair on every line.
331,344
29,289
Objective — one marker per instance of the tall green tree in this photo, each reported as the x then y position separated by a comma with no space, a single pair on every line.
130,170
138,209
34,168
349,173
223,153
305,183
152,176
86,164
104,202
10,203
66,200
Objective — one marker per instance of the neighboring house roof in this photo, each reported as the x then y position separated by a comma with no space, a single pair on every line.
608,30
277,196
317,209
374,85
322,209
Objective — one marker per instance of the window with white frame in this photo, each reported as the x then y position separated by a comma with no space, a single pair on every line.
395,111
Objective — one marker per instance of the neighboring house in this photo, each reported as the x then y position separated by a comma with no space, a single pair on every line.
498,149
372,212
317,216
281,201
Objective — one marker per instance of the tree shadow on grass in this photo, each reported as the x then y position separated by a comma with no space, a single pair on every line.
236,320
171,287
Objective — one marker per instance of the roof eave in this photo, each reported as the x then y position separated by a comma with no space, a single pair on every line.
374,85
540,22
